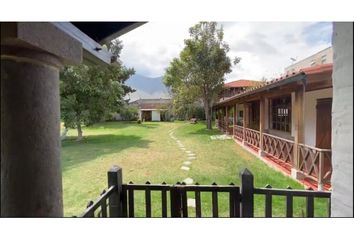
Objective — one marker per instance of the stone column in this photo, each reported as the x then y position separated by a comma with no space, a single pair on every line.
30,128
31,56
342,121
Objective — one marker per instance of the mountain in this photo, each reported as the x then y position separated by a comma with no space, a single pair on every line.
146,87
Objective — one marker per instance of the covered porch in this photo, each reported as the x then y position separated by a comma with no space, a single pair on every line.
286,123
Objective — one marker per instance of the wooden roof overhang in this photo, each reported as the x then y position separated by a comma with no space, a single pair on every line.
272,89
309,79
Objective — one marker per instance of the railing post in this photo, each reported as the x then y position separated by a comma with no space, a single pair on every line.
115,200
246,193
320,172
175,197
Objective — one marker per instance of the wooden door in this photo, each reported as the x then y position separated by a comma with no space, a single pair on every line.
324,123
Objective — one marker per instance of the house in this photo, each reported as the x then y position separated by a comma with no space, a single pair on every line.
287,121
152,109
237,86
322,57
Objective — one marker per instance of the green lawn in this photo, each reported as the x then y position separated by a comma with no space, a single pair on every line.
147,153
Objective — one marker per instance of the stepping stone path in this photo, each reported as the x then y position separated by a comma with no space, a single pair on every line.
191,202
188,181
186,164
185,168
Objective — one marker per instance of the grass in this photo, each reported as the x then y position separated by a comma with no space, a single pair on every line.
147,153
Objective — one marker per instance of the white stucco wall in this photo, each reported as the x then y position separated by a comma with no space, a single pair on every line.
155,115
310,102
342,121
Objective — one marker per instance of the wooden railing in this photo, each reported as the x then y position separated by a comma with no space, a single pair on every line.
315,162
99,207
278,147
238,132
289,195
121,198
252,137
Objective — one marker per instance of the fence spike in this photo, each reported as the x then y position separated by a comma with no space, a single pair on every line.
164,183
288,187
147,182
89,203
309,188
214,183
183,183
131,182
268,186
103,192
178,183
231,183
196,183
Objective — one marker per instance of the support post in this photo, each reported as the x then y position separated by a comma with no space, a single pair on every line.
299,131
245,120
115,178
227,120
32,54
176,204
320,172
247,204
261,125
234,121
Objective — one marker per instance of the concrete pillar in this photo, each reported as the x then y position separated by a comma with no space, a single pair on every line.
31,55
30,128
342,121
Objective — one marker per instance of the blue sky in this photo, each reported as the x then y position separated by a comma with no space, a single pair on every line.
265,47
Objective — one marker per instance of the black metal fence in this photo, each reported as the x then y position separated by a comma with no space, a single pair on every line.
119,201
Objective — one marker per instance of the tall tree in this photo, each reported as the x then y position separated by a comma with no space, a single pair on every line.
201,66
90,93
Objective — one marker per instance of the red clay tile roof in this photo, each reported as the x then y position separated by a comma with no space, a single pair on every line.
241,83
310,72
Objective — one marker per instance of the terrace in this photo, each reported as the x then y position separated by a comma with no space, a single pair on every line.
287,123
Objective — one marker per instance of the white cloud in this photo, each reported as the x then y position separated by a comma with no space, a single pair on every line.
265,47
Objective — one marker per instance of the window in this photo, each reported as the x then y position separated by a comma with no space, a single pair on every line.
281,114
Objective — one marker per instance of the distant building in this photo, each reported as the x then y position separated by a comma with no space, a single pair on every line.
152,109
232,88
322,57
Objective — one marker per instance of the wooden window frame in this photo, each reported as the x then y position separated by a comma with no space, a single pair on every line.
280,113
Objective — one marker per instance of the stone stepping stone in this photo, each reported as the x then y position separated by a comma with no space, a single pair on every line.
188,151
182,148
185,168
192,158
187,163
188,180
191,154
191,202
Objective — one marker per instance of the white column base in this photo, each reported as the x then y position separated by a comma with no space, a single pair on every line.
261,153
296,174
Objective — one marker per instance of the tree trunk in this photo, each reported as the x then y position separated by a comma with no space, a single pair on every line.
79,132
207,114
